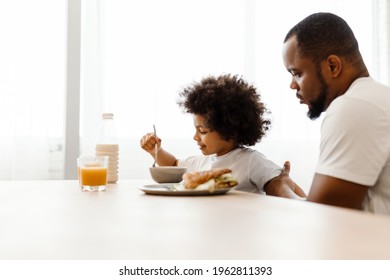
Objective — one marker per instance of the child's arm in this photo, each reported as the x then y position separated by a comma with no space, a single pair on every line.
284,186
148,143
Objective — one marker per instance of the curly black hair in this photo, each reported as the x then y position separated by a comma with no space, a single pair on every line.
230,106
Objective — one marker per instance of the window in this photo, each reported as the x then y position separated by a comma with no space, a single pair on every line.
135,58
146,51
32,71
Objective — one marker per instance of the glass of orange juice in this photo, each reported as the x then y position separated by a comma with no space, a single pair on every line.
92,172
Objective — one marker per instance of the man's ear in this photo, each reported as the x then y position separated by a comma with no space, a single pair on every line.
334,65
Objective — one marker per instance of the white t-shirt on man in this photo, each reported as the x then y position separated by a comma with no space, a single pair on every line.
355,141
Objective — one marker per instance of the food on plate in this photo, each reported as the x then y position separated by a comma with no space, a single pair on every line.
209,180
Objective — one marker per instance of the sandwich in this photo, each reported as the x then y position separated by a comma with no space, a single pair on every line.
209,180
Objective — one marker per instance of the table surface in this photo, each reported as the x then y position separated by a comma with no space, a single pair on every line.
56,220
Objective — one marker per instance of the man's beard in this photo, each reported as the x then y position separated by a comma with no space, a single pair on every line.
317,106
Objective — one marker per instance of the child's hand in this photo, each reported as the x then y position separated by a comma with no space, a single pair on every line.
149,141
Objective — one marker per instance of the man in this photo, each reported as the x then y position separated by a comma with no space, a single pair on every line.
329,75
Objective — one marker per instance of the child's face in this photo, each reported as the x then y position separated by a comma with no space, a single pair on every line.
210,142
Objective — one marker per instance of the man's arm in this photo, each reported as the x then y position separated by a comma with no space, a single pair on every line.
324,189
337,192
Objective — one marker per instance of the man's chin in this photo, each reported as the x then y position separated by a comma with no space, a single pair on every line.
313,115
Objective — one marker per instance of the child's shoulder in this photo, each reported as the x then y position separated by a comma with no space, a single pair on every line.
249,152
246,150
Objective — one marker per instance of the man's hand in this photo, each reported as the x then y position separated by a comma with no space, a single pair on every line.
284,186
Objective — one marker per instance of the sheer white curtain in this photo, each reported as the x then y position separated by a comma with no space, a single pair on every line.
146,51
137,55
382,40
293,135
32,83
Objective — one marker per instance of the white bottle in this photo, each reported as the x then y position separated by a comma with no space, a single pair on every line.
107,145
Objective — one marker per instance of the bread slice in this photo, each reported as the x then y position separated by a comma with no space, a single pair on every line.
193,179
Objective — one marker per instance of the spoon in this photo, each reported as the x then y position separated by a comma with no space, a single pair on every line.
155,148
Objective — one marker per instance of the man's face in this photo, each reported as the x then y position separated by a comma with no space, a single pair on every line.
307,79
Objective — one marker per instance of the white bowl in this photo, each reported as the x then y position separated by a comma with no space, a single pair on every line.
167,174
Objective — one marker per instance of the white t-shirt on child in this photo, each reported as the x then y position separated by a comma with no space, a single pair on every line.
250,167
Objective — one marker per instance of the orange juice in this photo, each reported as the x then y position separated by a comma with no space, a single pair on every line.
92,172
93,176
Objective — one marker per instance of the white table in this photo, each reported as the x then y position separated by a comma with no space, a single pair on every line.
55,220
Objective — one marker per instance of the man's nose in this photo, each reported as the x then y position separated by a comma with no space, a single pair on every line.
293,84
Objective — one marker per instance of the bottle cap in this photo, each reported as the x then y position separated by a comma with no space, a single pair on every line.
107,116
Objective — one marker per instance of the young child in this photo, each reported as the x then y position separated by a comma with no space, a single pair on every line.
228,118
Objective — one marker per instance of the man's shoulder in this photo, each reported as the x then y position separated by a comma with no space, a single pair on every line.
364,98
